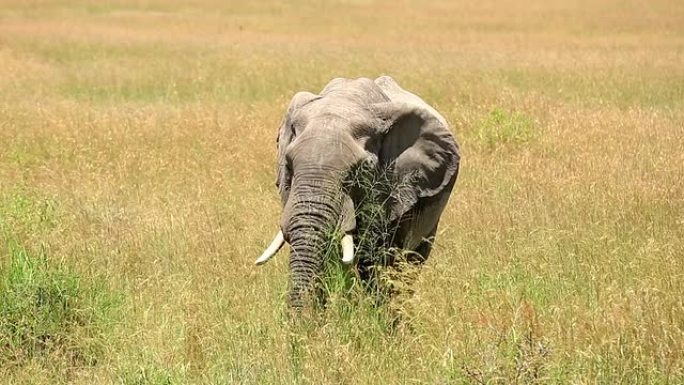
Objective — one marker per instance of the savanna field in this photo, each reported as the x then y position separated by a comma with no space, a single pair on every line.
137,167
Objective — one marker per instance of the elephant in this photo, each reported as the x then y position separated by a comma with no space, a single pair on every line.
350,123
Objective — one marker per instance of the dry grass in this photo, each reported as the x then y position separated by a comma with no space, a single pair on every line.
137,150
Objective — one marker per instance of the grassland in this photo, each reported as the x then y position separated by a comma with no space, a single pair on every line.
136,189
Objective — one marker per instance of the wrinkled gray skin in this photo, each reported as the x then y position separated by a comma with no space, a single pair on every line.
322,137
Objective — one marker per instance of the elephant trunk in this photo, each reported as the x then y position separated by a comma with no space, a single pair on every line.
305,267
313,211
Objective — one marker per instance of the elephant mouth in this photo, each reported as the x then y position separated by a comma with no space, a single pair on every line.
347,245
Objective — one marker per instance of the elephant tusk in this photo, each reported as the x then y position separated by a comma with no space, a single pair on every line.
277,243
347,249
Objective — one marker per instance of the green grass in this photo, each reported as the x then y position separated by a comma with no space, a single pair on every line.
504,127
50,315
148,374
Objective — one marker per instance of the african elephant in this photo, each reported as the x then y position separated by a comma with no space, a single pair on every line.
353,122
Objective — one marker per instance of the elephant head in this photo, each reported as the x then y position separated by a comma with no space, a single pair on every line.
353,122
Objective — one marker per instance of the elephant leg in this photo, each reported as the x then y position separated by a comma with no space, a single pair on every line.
404,270
394,277
422,252
403,273
370,271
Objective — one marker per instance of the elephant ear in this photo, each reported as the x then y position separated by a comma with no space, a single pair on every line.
286,134
419,150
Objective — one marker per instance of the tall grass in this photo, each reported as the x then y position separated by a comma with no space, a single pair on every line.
136,188
50,315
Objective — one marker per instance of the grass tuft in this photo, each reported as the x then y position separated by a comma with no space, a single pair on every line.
147,375
502,127
21,212
48,313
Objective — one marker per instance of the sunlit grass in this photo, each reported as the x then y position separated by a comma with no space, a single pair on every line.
137,162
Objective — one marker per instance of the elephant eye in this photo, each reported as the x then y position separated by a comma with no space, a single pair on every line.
287,180
288,163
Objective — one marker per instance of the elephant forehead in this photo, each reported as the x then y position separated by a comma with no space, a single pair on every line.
335,106
330,114
361,89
